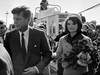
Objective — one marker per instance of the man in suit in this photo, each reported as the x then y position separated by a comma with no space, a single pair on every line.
28,47
6,67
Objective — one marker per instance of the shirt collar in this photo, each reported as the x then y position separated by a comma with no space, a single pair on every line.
26,32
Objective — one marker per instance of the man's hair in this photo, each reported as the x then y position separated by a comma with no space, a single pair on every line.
1,22
22,9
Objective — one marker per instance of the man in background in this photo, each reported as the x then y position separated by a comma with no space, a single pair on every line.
2,31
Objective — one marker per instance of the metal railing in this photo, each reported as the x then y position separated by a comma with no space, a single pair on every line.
54,6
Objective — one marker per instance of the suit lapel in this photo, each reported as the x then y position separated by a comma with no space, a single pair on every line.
30,43
17,41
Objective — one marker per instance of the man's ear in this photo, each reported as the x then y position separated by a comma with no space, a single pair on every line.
5,29
29,19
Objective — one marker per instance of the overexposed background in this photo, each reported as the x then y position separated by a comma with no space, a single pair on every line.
71,6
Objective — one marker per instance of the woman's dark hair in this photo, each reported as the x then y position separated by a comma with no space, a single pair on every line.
76,20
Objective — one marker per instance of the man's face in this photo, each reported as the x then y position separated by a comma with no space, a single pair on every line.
20,22
2,30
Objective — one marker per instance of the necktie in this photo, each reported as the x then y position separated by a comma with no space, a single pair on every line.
23,46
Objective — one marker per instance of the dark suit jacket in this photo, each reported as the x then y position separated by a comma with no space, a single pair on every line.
38,53
6,67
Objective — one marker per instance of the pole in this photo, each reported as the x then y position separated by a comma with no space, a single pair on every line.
90,8
6,16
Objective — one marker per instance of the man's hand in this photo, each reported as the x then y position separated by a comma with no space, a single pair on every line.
30,71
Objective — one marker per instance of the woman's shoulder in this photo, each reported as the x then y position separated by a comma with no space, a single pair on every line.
85,37
63,37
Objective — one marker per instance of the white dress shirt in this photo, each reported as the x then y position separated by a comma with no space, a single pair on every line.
26,37
1,40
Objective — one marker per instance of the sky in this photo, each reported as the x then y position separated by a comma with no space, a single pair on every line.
71,6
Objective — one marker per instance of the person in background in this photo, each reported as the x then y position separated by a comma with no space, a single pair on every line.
11,27
2,31
6,67
43,5
28,47
92,33
85,28
98,46
83,18
73,26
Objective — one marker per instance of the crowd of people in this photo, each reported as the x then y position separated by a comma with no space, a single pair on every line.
25,50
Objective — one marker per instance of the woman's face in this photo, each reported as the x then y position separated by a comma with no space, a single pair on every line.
72,27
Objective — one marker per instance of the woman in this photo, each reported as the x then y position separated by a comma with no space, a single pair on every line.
73,25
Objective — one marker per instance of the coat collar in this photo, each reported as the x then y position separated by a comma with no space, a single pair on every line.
76,37
30,43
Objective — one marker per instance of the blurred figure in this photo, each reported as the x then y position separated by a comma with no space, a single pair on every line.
85,28
42,27
2,31
93,34
43,5
11,27
90,31
98,28
6,67
98,46
92,26
83,18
